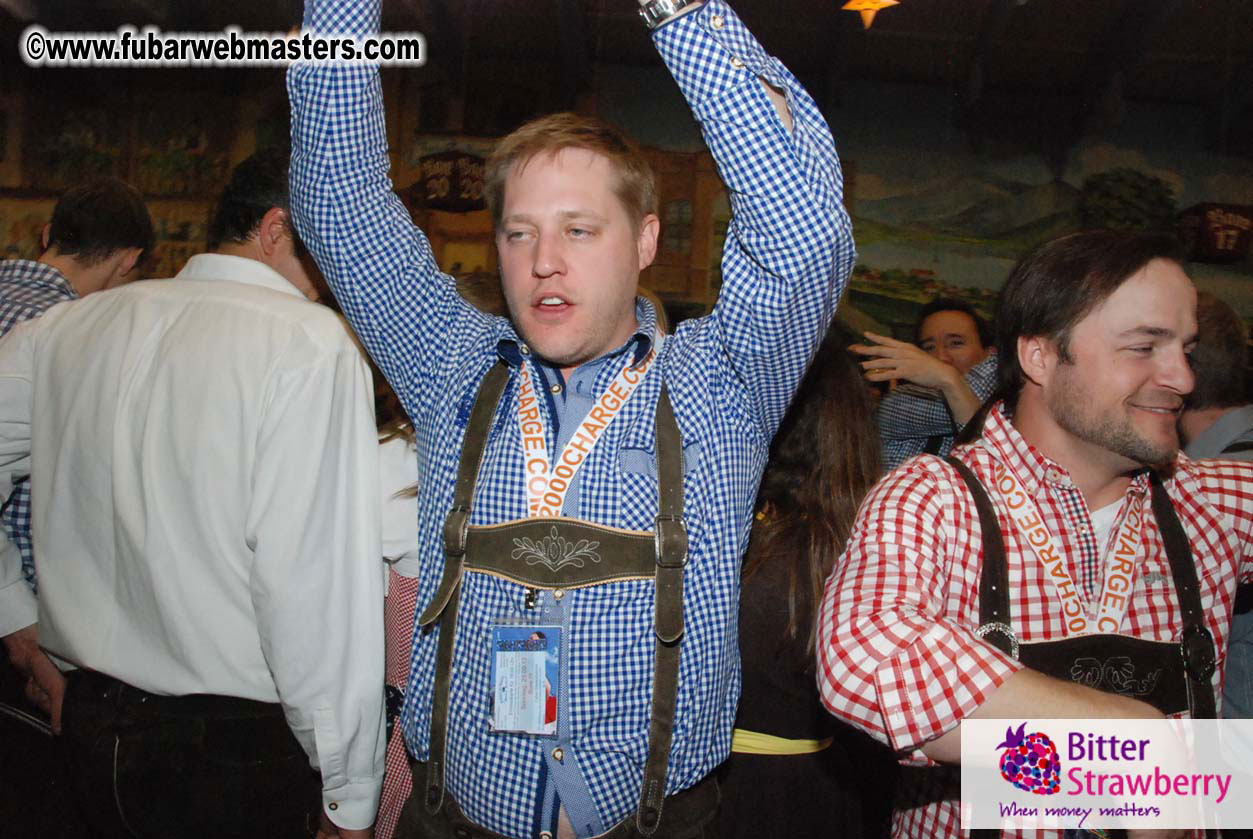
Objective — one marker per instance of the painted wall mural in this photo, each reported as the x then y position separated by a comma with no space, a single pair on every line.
934,213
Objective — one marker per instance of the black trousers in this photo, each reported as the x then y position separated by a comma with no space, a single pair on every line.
156,767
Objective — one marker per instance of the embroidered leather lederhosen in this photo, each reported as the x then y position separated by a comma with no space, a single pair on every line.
659,555
1171,676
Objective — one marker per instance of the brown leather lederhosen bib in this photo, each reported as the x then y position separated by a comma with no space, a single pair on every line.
1171,676
500,550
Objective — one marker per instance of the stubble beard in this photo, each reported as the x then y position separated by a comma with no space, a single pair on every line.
1069,405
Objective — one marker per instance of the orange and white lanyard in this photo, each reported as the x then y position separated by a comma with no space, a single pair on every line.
547,485
1120,565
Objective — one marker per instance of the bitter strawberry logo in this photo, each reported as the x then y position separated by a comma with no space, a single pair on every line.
1030,762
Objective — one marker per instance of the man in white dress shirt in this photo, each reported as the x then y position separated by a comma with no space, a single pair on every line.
206,522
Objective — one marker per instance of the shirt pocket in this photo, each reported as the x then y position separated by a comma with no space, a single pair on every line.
640,461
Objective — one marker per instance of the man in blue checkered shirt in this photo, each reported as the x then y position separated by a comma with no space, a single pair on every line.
575,217
98,234
945,377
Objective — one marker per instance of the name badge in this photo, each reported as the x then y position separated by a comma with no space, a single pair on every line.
526,669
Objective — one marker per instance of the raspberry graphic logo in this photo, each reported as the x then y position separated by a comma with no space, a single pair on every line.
1030,762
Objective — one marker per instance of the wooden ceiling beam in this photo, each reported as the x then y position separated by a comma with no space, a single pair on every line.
575,64
25,11
1122,48
996,17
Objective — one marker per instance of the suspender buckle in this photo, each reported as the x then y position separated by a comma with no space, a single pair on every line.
1009,645
456,530
1196,645
670,540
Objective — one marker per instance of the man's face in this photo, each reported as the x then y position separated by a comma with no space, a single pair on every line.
953,338
570,256
1124,390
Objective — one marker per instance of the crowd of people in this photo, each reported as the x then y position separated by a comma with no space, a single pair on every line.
315,539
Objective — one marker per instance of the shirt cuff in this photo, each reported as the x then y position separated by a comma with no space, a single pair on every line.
931,685
353,805
709,51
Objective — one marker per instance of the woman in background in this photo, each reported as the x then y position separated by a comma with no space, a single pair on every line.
794,770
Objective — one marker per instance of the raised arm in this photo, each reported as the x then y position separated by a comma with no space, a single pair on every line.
380,266
789,246
904,415
896,662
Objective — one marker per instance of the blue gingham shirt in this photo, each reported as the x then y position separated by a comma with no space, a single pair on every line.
910,416
730,377
27,289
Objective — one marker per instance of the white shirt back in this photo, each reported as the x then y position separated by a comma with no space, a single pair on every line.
205,495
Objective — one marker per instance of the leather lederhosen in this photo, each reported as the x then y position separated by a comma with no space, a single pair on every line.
1172,676
501,550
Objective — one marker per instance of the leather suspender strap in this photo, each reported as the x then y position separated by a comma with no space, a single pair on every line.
434,797
670,537
670,548
994,615
1196,644
448,597
457,523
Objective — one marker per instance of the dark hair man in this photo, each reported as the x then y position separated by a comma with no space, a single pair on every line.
1218,418
1217,422
99,232
948,372
98,235
1079,470
207,531
570,446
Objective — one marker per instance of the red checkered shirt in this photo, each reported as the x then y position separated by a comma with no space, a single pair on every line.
896,651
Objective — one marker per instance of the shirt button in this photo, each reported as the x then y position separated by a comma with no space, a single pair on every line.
737,62
558,754
717,21
332,806
544,834
555,387
558,594
524,349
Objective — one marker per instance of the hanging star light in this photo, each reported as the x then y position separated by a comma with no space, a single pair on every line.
868,9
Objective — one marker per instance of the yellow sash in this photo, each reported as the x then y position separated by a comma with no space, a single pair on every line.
755,743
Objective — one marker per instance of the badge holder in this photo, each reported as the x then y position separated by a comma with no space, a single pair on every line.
526,677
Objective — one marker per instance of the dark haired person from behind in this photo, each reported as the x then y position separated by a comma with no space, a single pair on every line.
946,373
99,233
206,515
1217,422
794,770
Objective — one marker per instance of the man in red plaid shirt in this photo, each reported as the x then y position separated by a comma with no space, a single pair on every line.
1094,333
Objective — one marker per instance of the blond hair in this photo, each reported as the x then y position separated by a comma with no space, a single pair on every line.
636,187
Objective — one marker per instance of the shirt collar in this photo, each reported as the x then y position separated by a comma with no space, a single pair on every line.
1035,470
235,269
511,348
33,271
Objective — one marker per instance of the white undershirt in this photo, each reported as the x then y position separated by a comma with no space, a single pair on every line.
1103,523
